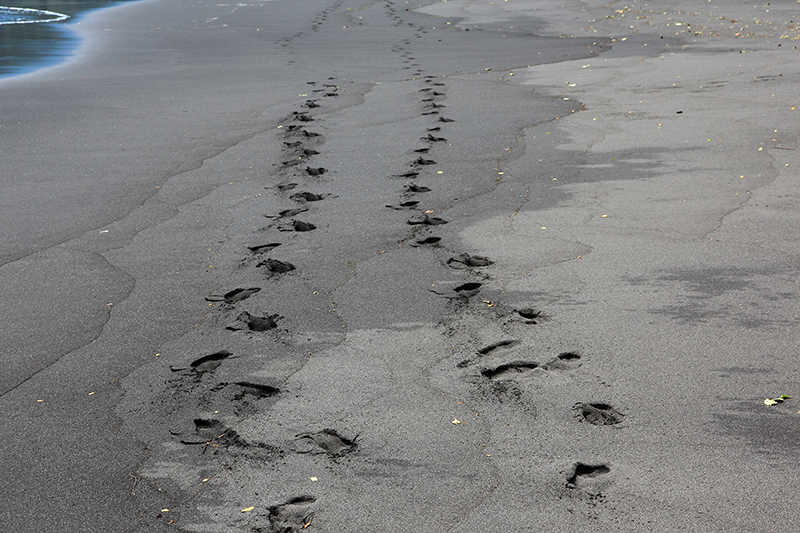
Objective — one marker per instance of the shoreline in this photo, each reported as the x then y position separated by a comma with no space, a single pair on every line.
315,266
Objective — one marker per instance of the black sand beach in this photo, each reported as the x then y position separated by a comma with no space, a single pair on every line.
404,266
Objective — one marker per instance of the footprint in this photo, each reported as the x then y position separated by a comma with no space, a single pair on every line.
444,119
327,441
263,248
431,138
297,225
507,343
532,315
468,289
286,213
413,187
468,261
316,171
308,134
285,186
207,363
294,144
254,323
311,104
599,414
292,162
411,204
411,174
288,517
255,389
506,368
564,361
211,432
307,197
422,150
276,267
308,152
422,161
425,220
427,241
236,295
583,476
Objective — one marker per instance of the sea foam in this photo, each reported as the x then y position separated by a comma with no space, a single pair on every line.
24,15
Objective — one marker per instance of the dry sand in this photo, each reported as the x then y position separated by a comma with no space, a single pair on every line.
347,266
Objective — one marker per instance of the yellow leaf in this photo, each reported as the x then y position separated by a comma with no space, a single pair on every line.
248,509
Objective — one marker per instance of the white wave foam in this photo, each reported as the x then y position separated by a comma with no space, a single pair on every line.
24,15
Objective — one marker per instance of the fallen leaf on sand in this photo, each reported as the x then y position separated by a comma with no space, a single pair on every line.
248,509
456,421
775,401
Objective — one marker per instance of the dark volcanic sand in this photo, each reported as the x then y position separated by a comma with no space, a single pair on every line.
214,322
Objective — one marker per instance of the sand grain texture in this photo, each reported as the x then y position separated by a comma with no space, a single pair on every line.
387,266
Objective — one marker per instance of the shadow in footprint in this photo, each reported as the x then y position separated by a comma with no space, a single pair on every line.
599,414
585,477
286,213
413,187
422,162
468,289
237,295
316,171
469,261
531,315
288,517
411,204
209,362
210,432
327,441
276,267
507,368
427,241
297,225
263,248
254,389
425,220
406,175
307,197
254,323
563,361
506,343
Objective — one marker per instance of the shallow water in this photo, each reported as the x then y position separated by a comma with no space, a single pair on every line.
26,45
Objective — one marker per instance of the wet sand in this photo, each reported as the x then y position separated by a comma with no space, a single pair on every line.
353,266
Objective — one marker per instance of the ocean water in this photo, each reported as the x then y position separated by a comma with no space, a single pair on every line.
36,34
